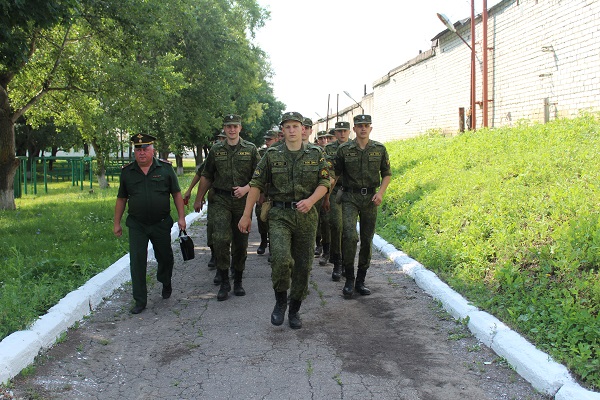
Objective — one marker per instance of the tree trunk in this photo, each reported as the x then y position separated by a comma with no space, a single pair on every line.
101,166
8,161
179,163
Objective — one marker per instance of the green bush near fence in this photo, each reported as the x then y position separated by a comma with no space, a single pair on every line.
510,218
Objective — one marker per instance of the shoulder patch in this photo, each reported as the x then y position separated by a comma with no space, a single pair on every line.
165,161
126,165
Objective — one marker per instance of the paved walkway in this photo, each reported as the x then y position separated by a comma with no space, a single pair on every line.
395,344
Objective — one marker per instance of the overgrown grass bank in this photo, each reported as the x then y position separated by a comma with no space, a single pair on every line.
52,244
510,218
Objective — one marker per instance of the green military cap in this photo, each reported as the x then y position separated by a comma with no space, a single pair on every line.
321,134
271,134
222,134
292,116
307,122
142,140
232,119
362,119
331,132
342,126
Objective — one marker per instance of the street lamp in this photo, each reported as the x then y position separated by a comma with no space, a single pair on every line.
451,28
357,103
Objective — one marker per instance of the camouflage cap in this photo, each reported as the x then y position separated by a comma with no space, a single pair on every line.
321,134
331,132
342,126
362,119
271,134
222,134
232,119
307,122
292,116
142,140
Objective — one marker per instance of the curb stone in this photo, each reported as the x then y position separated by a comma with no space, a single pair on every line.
535,366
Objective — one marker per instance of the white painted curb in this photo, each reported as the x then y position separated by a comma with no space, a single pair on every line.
19,349
544,374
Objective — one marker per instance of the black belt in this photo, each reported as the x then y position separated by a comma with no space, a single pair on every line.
363,191
285,204
224,192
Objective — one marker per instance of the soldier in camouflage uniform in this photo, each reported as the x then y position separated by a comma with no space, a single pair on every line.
323,231
363,165
342,133
298,177
146,185
228,169
271,138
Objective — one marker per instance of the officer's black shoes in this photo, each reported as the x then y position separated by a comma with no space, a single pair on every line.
360,282
278,313
325,256
212,263
225,288
348,289
238,290
166,291
217,278
137,309
318,250
294,317
261,248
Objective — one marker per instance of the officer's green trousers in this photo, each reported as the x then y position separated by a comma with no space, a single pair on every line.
224,213
356,207
159,234
292,236
335,224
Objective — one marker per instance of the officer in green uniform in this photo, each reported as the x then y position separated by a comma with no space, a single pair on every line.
342,133
147,185
271,138
298,177
228,169
363,165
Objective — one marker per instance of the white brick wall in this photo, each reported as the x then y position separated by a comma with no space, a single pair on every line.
542,49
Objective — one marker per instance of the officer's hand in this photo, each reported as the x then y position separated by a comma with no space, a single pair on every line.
240,191
186,198
117,230
182,224
244,224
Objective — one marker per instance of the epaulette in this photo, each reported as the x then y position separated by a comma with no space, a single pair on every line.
126,165
165,161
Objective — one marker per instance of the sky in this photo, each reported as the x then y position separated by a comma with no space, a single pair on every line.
321,48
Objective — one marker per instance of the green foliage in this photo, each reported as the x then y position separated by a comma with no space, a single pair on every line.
509,217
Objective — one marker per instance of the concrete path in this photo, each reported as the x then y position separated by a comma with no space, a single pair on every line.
398,343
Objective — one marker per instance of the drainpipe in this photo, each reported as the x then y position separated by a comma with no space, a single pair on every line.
484,81
473,82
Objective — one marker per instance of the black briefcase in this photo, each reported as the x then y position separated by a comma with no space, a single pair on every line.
187,246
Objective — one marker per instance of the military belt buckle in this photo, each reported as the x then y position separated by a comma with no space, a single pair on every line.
294,205
232,193
364,191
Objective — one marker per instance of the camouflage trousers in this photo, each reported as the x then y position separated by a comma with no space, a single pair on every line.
292,236
323,228
335,225
356,207
263,226
224,213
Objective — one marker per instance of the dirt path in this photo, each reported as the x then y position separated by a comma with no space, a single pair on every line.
395,344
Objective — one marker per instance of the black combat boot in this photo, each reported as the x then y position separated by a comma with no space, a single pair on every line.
293,316
238,290
225,288
348,289
263,244
360,282
337,267
325,256
212,263
278,313
217,278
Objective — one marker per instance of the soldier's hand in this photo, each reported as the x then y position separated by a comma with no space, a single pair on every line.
117,230
326,205
198,205
244,224
304,206
182,224
186,198
377,199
